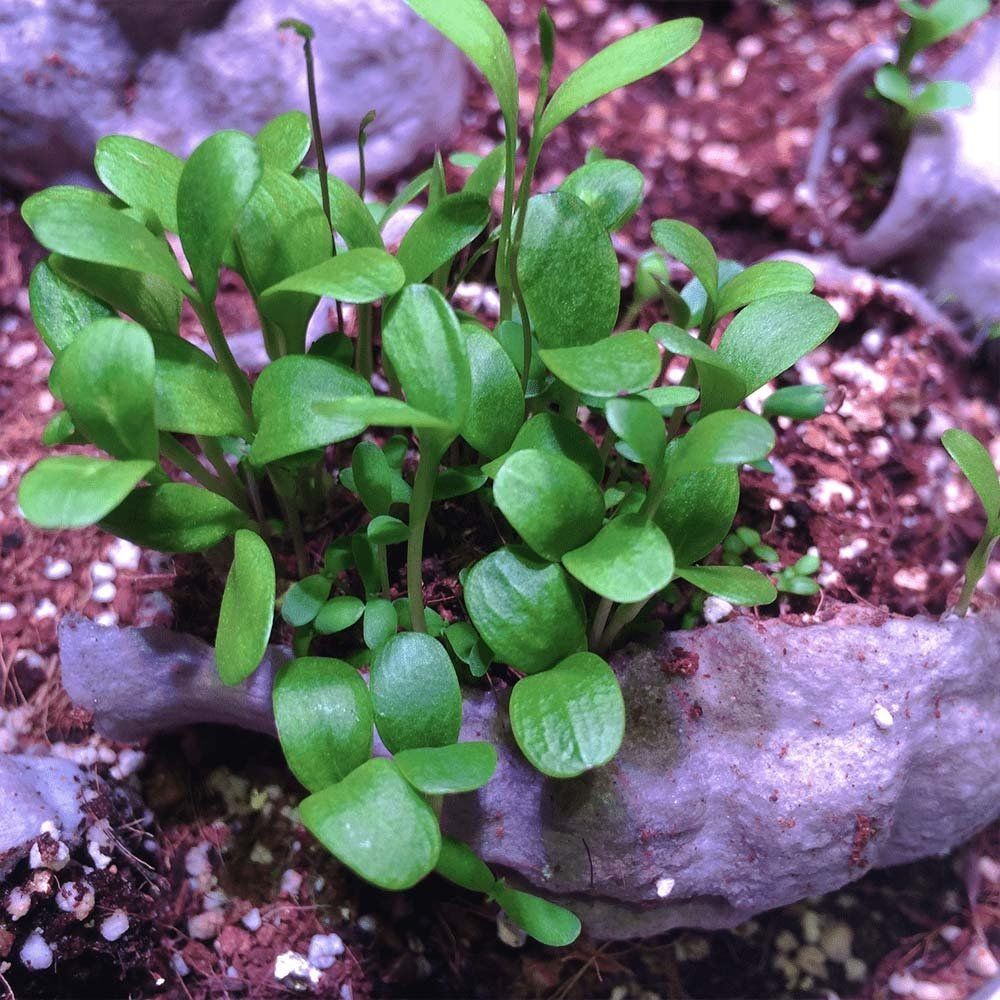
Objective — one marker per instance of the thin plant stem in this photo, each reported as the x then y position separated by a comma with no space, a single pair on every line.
188,462
606,445
623,616
214,453
383,568
364,363
294,522
324,181
253,491
420,505
506,218
223,355
974,570
600,621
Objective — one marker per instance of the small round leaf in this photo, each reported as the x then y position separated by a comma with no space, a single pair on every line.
448,770
337,614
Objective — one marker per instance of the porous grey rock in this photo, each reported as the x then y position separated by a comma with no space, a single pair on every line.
753,771
72,71
33,791
941,227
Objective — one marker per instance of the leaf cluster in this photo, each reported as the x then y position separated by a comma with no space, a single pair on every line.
504,419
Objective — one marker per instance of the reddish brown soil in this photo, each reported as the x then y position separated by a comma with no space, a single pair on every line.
722,137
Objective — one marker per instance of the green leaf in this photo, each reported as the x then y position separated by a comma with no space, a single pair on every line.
556,435
894,85
106,381
376,824
942,95
349,214
303,600
639,424
415,693
152,302
324,717
798,402
569,719
510,336
611,188
282,232
174,517
621,63
471,27
422,339
651,273
381,411
459,864
469,648
934,23
338,614
528,611
736,584
284,141
60,308
458,481
977,466
217,182
686,244
286,400
496,408
487,173
710,367
694,296
365,554
247,610
379,623
769,277
568,272
436,625
764,340
386,530
141,174
440,232
729,437
362,275
697,511
449,770
628,560
407,194
75,491
666,398
60,430
552,503
372,477
626,362
192,394
102,235
546,922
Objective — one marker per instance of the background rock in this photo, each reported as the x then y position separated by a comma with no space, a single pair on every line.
72,71
764,761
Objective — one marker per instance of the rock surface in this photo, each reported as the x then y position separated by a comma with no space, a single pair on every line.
72,71
33,791
941,227
764,761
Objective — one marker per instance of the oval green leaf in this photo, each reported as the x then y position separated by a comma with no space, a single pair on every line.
380,622
324,717
304,598
569,719
60,308
362,275
247,610
284,141
496,408
977,466
685,243
449,770
527,611
697,511
441,231
337,614
626,362
556,435
639,424
736,584
415,692
728,437
611,188
546,922
759,281
141,174
459,864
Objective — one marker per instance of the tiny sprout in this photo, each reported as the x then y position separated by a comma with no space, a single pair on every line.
798,578
797,402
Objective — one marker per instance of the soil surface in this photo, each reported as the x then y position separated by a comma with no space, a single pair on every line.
227,896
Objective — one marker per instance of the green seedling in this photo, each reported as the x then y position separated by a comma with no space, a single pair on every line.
977,467
587,534
894,82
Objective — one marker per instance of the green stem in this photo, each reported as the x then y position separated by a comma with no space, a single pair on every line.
523,194
625,615
606,445
506,219
187,462
223,355
420,505
364,362
214,453
974,570
600,621
294,522
324,181
383,569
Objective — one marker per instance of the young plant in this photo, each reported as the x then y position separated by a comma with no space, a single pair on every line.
977,466
927,26
580,538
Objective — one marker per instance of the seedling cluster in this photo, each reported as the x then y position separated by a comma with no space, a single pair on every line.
587,533
895,83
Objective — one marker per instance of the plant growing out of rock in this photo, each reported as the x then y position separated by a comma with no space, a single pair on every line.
490,419
977,467
894,82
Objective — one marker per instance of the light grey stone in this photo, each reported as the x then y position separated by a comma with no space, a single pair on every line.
72,71
941,227
761,779
33,791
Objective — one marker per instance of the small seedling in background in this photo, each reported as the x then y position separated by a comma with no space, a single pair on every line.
798,579
927,26
977,467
